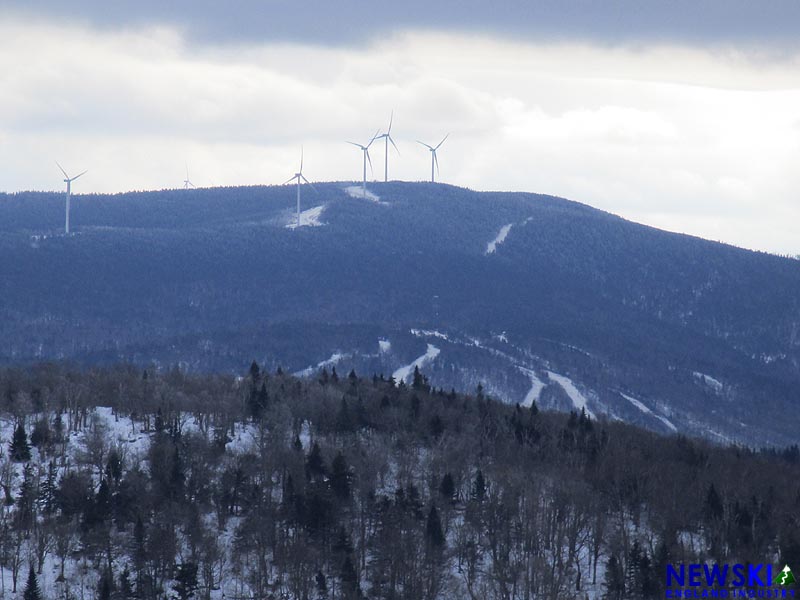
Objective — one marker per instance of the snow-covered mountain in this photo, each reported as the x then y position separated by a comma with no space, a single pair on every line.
536,298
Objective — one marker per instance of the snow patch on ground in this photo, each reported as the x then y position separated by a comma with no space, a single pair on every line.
578,400
537,385
357,191
709,381
384,346
647,411
429,333
491,247
308,218
335,358
403,373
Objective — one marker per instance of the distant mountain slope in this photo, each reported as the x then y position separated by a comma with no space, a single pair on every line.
533,296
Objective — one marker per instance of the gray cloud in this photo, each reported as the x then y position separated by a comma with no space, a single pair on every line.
776,22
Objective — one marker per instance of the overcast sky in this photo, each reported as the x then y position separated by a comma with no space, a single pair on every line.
683,115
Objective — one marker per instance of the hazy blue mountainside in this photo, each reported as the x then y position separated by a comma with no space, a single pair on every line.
572,307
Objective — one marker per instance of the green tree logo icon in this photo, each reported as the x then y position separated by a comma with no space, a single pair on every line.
785,577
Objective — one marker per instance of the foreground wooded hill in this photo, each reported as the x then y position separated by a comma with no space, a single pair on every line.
119,483
518,291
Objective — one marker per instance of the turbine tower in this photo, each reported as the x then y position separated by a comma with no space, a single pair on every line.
68,180
365,150
187,182
300,178
433,149
387,137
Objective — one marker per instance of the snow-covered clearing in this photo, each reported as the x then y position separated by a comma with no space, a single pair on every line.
647,411
403,373
578,400
429,333
308,218
334,359
384,346
710,381
357,191
537,385
491,247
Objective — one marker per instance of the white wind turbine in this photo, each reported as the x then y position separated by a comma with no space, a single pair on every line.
365,150
68,180
187,183
387,137
433,149
300,178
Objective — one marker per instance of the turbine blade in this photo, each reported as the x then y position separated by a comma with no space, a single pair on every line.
369,160
393,144
426,145
62,170
301,159
391,118
310,184
354,144
436,160
79,174
292,178
442,142
374,137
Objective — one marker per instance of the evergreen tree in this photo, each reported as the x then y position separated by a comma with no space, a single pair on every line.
315,464
340,477
433,530
343,546
447,488
344,419
114,465
125,586
255,372
437,427
322,586
104,587
185,584
614,583
713,504
58,428
102,502
479,489
47,491
350,585
32,587
41,436
633,582
419,381
19,450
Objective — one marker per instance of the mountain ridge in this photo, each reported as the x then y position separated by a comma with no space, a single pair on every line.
618,308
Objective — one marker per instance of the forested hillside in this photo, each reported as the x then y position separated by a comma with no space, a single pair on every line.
536,297
124,483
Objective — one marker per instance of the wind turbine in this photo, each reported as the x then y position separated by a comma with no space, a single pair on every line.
365,150
68,180
299,177
387,137
433,149
187,182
